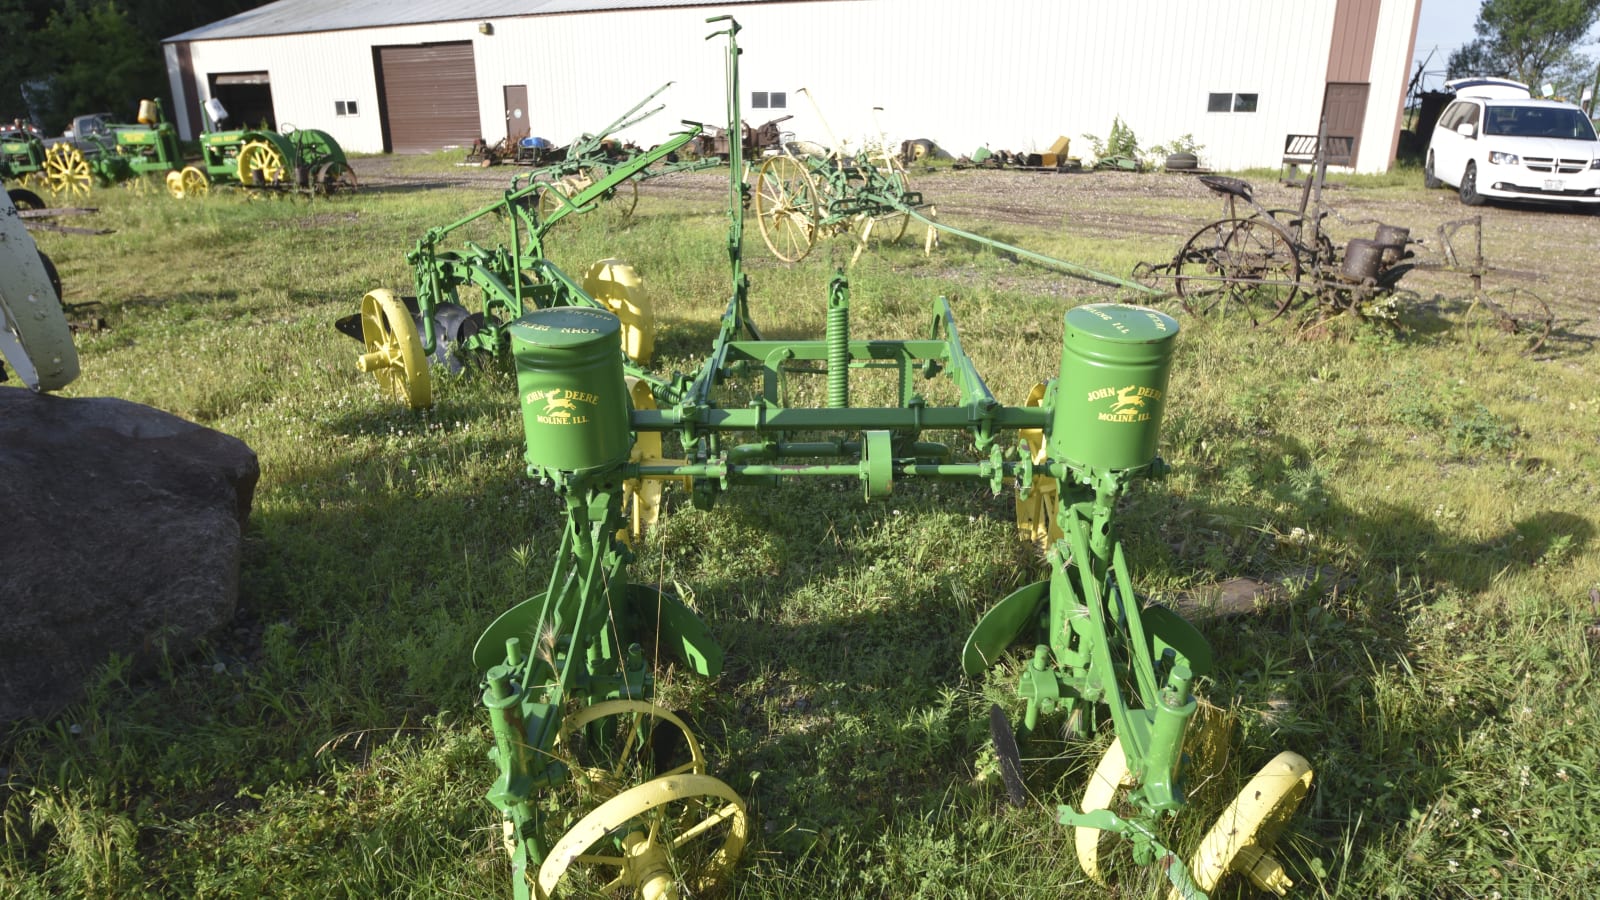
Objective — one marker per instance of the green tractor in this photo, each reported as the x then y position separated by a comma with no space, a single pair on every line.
22,161
261,160
120,154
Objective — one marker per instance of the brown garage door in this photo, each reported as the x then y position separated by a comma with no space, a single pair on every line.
429,96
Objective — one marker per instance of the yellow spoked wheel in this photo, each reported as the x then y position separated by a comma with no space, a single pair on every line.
678,835
1110,777
555,197
641,497
66,171
174,182
612,746
1243,836
261,166
394,350
786,207
194,182
1036,512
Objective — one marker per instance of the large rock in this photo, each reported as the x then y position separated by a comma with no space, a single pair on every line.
120,532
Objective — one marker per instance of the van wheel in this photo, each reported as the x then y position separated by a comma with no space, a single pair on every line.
1469,186
1430,180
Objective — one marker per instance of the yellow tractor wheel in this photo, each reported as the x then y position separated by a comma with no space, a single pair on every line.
394,350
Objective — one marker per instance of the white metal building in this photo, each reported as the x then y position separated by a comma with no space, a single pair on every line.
419,75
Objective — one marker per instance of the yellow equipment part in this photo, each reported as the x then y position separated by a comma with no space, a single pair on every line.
196,183
603,773
260,165
676,831
1109,777
66,170
1036,512
175,184
394,350
641,497
618,285
1243,836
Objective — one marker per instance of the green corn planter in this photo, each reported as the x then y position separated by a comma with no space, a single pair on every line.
1113,387
574,398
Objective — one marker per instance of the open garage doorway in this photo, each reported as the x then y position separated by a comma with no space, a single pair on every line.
247,96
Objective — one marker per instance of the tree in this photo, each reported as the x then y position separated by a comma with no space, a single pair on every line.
1531,41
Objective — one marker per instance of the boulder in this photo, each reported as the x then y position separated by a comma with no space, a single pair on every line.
121,534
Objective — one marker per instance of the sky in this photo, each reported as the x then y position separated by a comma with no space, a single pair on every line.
1445,24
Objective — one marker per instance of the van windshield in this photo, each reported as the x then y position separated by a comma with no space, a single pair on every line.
1538,121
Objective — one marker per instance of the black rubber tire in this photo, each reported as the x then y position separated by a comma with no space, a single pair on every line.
1469,186
22,198
54,276
1430,180
1182,162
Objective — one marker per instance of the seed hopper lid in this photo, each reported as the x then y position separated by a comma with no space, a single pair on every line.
1121,323
566,327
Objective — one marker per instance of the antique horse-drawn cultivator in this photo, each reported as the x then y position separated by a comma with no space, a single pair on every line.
808,192
1276,262
1267,262
600,789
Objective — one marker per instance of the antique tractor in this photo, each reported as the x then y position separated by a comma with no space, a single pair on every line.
261,160
603,791
22,160
124,153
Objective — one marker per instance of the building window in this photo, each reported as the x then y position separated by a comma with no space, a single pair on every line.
344,108
769,100
1231,102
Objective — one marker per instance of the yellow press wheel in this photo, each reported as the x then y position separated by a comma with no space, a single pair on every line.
670,837
641,497
66,171
261,166
1110,778
1036,512
786,207
616,744
394,350
1242,838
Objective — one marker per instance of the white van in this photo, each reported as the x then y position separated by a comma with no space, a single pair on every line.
1495,141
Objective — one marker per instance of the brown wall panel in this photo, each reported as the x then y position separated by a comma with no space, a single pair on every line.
1355,29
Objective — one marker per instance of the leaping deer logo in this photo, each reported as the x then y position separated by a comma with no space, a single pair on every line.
1126,401
554,405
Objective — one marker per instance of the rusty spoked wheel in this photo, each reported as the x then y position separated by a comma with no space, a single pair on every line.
1512,313
786,207
1238,267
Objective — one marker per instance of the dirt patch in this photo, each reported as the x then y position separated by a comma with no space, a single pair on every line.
1549,251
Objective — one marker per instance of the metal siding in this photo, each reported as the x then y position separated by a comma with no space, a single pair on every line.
430,96
952,73
1354,26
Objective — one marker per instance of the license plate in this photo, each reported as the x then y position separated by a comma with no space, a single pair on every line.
1552,184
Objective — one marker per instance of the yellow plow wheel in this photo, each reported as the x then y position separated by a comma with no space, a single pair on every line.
1243,836
1110,777
67,171
604,767
394,350
670,837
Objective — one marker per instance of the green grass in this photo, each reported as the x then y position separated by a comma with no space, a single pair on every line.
1427,501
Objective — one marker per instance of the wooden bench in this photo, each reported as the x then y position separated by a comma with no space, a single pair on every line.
1301,150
